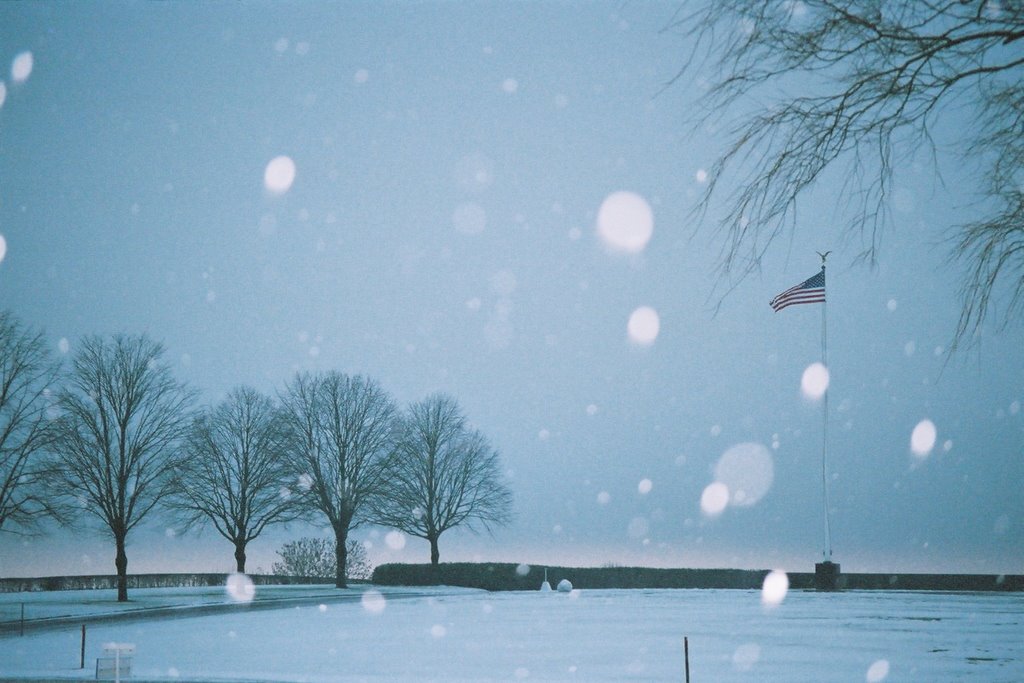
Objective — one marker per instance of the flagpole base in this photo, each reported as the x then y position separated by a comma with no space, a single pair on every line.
826,576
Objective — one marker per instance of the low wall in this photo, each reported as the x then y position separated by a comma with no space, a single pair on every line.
108,581
495,576
919,582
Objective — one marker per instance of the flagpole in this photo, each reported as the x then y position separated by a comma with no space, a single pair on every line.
812,291
827,555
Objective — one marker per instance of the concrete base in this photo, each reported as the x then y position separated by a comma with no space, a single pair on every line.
826,576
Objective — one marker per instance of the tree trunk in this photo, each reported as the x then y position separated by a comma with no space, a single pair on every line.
341,555
435,554
121,562
240,556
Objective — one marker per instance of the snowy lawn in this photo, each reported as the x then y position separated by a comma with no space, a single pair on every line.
49,604
586,636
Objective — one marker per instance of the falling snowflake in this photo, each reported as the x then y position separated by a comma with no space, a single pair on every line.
774,588
625,222
279,175
922,439
814,381
240,588
21,67
643,326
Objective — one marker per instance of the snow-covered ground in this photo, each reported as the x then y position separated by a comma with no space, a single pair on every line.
83,603
464,635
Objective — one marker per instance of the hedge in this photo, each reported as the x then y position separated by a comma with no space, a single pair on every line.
498,576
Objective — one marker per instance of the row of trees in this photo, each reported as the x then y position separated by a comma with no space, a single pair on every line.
116,436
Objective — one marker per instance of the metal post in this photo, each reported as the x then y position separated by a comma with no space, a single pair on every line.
82,666
686,651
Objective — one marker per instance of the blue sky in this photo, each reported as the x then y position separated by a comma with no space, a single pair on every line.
440,234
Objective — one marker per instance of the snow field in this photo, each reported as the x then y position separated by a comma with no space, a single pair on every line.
607,635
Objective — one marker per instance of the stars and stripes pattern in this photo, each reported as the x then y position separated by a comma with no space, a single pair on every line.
810,291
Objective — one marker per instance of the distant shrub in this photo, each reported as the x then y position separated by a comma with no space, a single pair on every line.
312,556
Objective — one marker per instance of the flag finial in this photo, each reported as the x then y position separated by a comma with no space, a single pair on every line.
823,257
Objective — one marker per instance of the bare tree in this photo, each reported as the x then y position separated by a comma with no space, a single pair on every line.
236,471
442,475
123,416
853,86
342,429
26,373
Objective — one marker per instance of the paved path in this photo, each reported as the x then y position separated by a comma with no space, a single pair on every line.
263,600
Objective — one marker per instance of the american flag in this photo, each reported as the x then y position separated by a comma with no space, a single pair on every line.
810,291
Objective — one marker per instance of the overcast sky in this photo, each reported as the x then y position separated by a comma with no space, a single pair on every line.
436,223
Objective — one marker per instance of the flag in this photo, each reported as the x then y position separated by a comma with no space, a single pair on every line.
810,291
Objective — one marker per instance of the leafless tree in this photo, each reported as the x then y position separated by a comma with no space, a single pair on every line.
236,470
442,475
27,372
855,86
122,419
342,430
